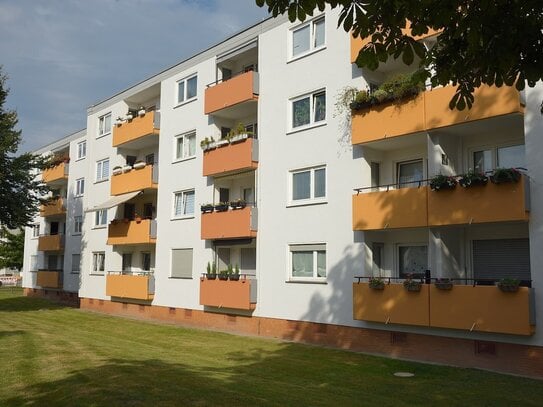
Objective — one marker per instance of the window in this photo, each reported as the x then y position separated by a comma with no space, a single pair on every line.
375,172
501,258
224,195
308,261
78,224
98,262
248,260
35,230
127,262
79,187
100,218
102,170
412,260
184,203
185,146
309,109
104,125
500,157
146,261
181,263
76,260
34,263
308,185
309,37
187,89
81,150
409,173
378,256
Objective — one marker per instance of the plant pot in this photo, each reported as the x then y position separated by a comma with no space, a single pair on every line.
221,208
118,122
139,165
141,112
127,168
508,288
444,286
211,276
129,117
378,287
206,208
467,183
234,277
117,171
223,278
413,288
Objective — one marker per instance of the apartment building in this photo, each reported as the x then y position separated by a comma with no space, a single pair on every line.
240,158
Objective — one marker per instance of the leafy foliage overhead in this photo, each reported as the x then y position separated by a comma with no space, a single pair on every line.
493,42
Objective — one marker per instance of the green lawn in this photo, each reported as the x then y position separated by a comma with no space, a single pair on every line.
52,355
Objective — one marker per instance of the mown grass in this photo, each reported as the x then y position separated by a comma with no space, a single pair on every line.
52,355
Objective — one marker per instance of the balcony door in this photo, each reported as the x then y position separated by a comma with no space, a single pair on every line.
410,173
501,258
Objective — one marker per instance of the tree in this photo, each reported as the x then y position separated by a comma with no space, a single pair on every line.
20,191
12,246
491,42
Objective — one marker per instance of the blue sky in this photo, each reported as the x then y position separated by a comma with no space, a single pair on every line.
63,55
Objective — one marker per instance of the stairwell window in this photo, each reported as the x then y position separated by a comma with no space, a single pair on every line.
185,146
183,204
187,89
308,37
79,187
98,263
102,170
104,125
100,218
78,224
308,110
308,186
81,150
307,262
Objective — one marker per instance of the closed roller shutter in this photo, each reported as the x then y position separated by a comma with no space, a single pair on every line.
501,258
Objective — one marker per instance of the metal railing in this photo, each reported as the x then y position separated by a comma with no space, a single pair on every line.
131,272
429,280
233,75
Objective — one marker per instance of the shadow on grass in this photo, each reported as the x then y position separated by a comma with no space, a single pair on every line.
20,304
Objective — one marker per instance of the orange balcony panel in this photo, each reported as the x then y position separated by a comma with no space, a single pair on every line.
57,173
134,180
49,279
136,129
130,286
131,232
239,89
228,294
394,304
483,309
490,101
231,224
237,156
388,120
53,208
479,204
51,243
398,208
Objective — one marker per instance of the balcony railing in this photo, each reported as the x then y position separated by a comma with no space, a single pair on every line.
125,232
430,110
49,278
136,129
239,89
51,243
238,155
469,307
230,224
130,285
239,294
57,173
135,180
53,207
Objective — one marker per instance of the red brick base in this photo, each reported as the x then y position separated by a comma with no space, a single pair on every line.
62,297
502,357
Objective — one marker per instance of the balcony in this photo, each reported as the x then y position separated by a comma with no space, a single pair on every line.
136,287
480,204
49,279
228,294
241,155
54,207
430,110
464,307
56,174
51,243
230,224
125,232
392,209
137,129
135,180
235,91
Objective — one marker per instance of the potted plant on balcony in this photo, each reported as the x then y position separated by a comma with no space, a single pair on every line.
443,284
504,175
440,182
138,165
233,274
127,168
205,143
137,218
206,208
223,275
141,111
238,204
376,283
211,271
412,285
508,285
221,207
472,178
118,121
117,170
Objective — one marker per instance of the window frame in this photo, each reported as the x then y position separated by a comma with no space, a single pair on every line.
312,122
35,231
78,270
171,263
82,145
312,200
34,265
184,136
78,220
410,244
96,270
100,163
413,184
312,37
182,193
101,123
493,148
185,81
315,248
98,218
79,187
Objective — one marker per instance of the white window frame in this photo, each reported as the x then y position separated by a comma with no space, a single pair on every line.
312,37
100,218
493,148
396,170
78,269
312,199
187,277
314,247
78,224
185,99
99,173
184,137
102,131
182,194
36,231
81,149
408,244
95,269
312,122
79,187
